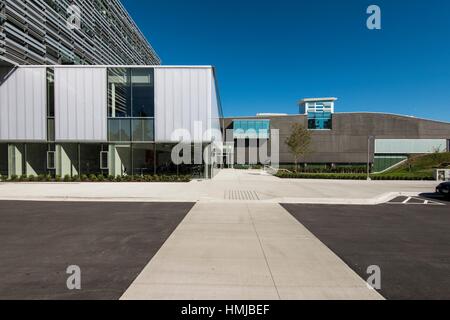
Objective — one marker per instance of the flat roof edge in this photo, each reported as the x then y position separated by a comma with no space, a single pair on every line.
339,113
120,66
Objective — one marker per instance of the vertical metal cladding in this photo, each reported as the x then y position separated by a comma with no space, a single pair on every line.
183,98
80,104
23,106
216,112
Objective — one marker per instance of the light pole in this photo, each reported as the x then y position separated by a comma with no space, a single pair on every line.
368,156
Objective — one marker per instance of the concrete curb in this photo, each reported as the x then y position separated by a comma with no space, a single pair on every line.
386,197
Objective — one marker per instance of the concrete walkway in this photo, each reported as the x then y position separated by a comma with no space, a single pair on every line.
245,251
228,185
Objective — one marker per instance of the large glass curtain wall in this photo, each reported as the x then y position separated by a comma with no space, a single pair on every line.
28,159
142,159
251,129
76,159
131,105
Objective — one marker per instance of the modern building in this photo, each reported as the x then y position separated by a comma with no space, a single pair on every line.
60,32
83,92
342,139
111,120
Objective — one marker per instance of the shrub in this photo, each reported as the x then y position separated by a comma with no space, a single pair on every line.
297,175
14,177
111,178
84,178
67,178
23,178
138,178
100,178
58,179
185,178
119,179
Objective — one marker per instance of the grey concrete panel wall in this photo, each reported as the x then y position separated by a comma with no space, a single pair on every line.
23,106
409,146
80,105
182,98
348,141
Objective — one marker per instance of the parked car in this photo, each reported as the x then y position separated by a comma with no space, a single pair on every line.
444,189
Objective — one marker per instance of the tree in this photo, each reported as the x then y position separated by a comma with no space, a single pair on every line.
299,142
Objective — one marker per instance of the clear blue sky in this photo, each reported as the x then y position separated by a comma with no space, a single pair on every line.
270,54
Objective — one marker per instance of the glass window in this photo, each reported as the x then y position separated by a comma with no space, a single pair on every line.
320,121
3,159
144,159
143,130
51,129
249,128
119,130
50,93
164,164
51,160
131,93
104,160
89,155
119,93
36,158
143,93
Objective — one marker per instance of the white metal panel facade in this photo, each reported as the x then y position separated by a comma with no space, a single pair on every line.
23,106
215,113
409,146
182,101
80,104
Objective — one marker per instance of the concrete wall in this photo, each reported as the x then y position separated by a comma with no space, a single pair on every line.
23,105
347,142
409,146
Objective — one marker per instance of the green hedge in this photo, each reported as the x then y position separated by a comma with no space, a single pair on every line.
330,170
248,167
332,176
99,178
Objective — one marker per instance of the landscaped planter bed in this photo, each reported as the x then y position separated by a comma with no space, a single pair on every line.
98,178
331,176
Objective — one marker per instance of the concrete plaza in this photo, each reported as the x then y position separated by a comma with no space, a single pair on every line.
228,185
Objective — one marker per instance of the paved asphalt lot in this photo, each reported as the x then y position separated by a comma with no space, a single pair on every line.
410,243
111,242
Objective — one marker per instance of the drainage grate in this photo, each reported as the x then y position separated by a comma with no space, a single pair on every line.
241,195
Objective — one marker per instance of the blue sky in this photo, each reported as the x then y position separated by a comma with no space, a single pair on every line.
270,54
